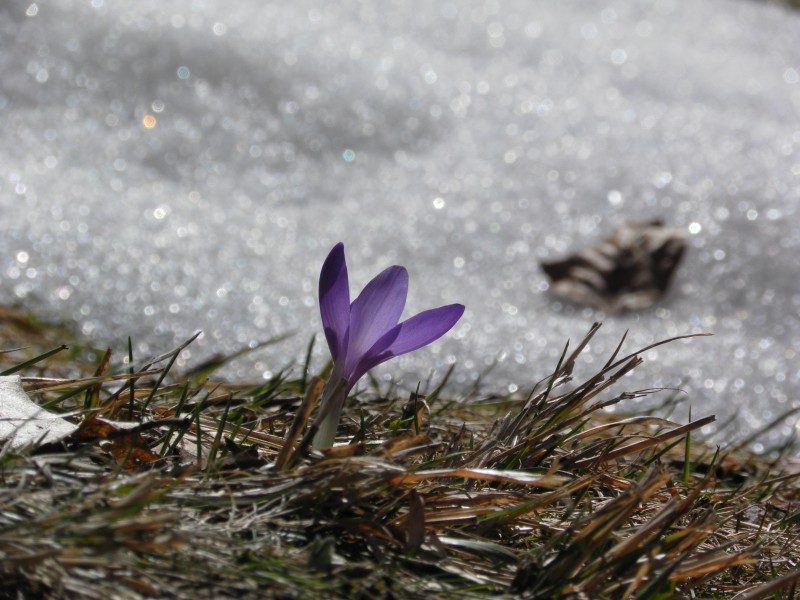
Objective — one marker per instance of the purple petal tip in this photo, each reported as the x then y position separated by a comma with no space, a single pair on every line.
334,299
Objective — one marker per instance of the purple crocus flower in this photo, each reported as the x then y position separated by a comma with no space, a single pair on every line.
367,332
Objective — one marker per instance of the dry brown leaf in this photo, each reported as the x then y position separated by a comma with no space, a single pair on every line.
126,445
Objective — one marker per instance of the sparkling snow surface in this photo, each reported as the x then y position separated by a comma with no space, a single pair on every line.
173,166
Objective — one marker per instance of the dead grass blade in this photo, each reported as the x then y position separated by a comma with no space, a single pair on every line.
648,443
299,422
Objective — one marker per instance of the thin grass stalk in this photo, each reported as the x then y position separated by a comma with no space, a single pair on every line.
29,363
687,454
131,384
223,421
307,364
165,444
172,358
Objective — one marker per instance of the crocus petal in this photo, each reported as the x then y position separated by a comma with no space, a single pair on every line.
334,300
424,328
377,355
376,310
416,332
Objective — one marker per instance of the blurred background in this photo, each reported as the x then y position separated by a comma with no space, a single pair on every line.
169,167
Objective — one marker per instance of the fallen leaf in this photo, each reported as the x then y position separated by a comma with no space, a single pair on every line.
93,428
126,445
630,270
131,452
25,423
415,521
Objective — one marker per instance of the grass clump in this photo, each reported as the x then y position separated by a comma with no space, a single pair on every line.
182,487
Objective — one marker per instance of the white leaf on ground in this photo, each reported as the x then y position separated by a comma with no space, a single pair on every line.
23,422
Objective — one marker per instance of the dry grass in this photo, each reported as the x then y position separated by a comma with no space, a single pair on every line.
543,495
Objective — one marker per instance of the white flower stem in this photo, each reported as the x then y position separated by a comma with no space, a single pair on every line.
333,397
